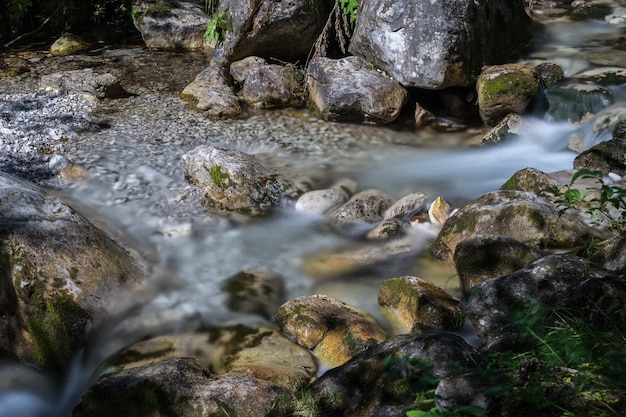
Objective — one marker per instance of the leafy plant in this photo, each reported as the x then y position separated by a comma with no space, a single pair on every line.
216,27
349,8
221,179
605,204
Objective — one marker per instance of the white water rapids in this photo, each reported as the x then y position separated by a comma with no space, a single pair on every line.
191,257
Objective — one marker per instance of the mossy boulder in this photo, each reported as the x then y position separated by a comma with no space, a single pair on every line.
415,305
58,272
532,180
483,257
524,216
385,379
334,331
177,387
504,89
257,352
605,157
255,291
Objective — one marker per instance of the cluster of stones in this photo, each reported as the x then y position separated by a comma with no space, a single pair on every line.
501,244
402,59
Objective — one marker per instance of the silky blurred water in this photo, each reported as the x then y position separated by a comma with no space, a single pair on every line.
191,254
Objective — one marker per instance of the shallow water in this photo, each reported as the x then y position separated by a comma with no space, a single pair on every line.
138,194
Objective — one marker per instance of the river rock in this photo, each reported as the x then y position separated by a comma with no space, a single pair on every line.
501,309
379,255
258,352
177,387
239,70
349,89
368,206
171,25
273,86
605,157
414,305
573,101
604,76
524,216
321,201
385,379
334,331
84,82
507,129
480,258
211,91
254,291
59,275
532,180
435,45
549,73
67,44
233,180
504,89
283,29
408,206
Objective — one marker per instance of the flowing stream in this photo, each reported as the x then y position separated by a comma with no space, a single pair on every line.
138,194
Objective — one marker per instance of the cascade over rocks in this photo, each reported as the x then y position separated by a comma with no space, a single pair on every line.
57,273
350,90
279,29
437,44
171,24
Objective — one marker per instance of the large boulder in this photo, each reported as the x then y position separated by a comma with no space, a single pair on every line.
415,305
283,29
503,309
437,44
524,216
504,89
333,330
233,180
260,352
385,379
273,86
58,274
177,387
211,92
171,24
349,89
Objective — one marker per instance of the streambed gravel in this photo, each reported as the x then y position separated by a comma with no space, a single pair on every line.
132,146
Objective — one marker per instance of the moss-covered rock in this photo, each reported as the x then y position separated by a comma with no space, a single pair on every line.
334,331
524,216
414,305
504,89
605,157
59,273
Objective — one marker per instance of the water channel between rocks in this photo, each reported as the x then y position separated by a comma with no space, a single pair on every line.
138,193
